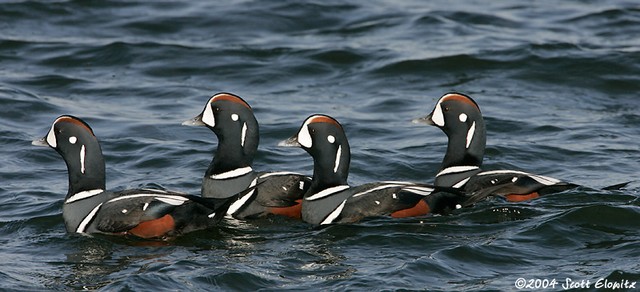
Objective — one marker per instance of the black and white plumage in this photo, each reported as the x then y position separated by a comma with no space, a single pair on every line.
459,117
330,199
146,213
231,171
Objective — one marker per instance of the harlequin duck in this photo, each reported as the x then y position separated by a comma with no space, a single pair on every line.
232,120
146,213
330,199
459,117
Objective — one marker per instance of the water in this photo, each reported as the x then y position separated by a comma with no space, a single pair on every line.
557,83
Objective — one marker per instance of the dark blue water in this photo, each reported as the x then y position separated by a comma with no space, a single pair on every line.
558,83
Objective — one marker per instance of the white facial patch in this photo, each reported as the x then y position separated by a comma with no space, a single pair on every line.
304,138
437,117
234,117
331,139
82,156
207,116
51,137
73,139
244,134
462,117
470,133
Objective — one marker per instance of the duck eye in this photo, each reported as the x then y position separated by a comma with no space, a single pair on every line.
446,109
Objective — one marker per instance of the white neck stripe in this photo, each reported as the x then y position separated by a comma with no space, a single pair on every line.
327,192
337,163
244,134
83,195
456,169
232,173
470,134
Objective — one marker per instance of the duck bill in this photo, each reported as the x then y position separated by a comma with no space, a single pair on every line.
290,142
195,122
424,120
40,142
